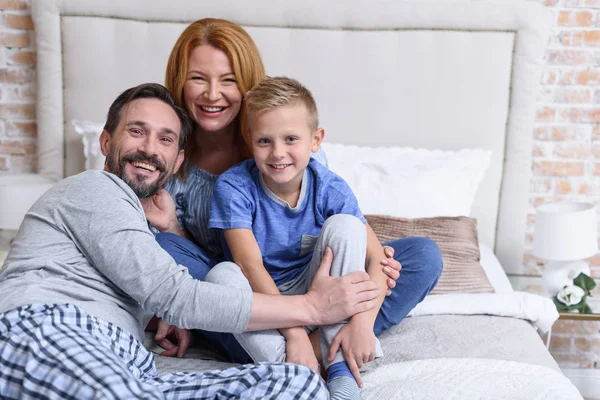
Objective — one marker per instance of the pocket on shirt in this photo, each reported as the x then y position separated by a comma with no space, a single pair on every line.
307,244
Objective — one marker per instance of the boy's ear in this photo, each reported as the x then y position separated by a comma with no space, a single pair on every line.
317,139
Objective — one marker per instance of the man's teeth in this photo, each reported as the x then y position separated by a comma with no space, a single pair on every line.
144,166
212,109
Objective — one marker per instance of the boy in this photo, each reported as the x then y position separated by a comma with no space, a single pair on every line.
279,213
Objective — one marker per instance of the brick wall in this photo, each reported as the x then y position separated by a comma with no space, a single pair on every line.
17,88
567,133
566,150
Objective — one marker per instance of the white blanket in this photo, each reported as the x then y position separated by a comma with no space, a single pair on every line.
466,379
541,311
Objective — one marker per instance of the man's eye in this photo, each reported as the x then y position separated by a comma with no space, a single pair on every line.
136,131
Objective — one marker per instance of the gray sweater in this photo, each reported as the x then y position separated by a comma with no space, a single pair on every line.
86,242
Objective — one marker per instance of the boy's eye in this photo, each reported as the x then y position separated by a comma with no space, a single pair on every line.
292,139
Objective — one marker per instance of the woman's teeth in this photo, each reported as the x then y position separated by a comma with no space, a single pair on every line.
212,109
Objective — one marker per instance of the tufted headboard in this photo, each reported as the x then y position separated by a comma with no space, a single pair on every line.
433,74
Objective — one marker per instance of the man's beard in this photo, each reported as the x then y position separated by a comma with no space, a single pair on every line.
138,182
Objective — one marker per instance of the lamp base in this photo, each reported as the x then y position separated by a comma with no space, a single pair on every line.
559,274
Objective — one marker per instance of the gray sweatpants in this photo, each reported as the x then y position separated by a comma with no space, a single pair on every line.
346,235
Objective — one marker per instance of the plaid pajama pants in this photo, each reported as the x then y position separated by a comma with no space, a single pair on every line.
61,352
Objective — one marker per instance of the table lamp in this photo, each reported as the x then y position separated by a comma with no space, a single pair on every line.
565,234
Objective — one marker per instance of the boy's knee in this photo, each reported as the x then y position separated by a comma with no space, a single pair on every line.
343,221
228,274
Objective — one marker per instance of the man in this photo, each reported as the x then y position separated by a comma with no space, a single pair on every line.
85,274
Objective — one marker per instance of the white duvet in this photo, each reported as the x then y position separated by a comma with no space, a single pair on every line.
467,379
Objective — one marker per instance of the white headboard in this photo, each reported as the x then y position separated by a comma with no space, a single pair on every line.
434,74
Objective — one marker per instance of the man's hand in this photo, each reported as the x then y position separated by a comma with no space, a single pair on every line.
161,212
357,341
165,335
391,268
335,299
299,350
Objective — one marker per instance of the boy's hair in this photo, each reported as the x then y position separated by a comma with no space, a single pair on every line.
279,91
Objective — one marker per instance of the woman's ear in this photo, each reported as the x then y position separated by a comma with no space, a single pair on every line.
317,139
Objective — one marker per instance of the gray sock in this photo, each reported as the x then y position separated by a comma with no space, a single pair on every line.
343,388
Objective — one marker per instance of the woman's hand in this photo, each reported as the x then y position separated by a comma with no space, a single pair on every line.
174,340
160,211
391,268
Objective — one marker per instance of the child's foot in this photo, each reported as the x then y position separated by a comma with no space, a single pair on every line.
341,383
343,388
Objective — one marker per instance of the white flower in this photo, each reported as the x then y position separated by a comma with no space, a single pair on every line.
570,295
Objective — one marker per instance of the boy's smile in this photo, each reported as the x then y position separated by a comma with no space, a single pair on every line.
282,142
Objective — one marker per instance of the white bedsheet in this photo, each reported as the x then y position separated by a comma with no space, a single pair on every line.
541,311
467,379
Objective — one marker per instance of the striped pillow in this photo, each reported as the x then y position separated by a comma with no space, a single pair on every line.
457,239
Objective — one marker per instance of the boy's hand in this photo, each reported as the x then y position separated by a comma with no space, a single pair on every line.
391,268
165,335
357,341
161,212
299,350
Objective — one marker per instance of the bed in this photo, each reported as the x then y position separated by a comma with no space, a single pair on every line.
436,76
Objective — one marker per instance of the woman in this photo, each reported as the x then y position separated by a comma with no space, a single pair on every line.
212,65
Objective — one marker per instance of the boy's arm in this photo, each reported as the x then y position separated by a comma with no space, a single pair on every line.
357,338
247,255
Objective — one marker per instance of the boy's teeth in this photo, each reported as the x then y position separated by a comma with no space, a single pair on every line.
144,166
212,109
280,166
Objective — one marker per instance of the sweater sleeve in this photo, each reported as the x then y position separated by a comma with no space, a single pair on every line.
106,221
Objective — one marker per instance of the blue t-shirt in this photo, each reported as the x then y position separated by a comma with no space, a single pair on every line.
286,236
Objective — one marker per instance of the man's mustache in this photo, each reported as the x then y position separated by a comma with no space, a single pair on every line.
144,158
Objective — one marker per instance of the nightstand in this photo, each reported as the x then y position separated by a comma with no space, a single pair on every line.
575,317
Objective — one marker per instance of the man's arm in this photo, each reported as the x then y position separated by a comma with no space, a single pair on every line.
328,301
105,220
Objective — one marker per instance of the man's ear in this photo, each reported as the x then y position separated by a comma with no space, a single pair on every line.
105,143
180,158
317,139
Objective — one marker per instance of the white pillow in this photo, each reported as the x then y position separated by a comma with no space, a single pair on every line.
90,136
408,182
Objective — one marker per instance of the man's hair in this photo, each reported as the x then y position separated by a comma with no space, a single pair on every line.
148,91
279,91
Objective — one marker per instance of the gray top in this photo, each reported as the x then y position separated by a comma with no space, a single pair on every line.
86,242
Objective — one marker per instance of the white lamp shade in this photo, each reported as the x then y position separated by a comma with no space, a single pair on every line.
565,231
